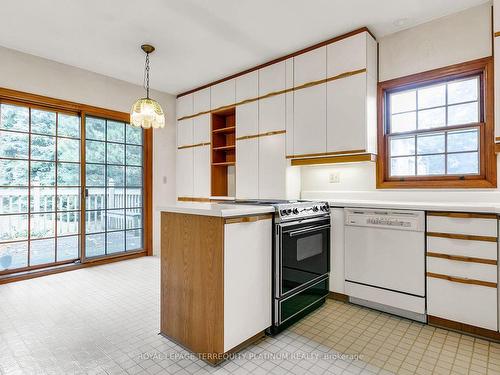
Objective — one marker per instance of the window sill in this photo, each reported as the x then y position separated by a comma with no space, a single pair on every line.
438,184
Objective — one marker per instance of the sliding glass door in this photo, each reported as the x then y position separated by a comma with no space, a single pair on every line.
42,220
39,187
114,194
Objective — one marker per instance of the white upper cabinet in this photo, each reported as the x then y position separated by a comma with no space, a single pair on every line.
185,132
201,171
496,16
310,66
185,106
247,86
272,113
309,126
223,94
247,119
346,130
272,78
201,100
347,55
201,129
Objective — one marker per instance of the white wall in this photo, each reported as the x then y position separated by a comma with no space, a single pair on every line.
23,72
453,39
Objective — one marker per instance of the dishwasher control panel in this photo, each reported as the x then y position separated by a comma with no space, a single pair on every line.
400,220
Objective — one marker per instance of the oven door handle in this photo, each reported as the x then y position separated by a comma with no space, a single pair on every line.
307,230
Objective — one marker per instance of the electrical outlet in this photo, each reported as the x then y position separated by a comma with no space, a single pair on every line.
335,178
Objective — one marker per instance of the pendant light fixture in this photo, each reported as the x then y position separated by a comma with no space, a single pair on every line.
147,113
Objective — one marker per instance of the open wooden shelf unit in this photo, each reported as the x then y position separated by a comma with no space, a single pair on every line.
223,149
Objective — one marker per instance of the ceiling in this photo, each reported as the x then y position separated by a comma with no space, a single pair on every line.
197,41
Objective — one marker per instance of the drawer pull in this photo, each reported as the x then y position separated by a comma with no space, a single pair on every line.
462,258
462,280
462,237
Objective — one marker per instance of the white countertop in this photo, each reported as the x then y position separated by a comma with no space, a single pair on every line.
480,207
216,209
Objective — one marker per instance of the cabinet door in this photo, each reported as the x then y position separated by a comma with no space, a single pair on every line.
247,168
185,132
201,100
272,113
310,66
247,280
201,129
346,114
309,120
185,172
185,106
272,167
247,86
201,171
347,55
247,119
223,94
272,78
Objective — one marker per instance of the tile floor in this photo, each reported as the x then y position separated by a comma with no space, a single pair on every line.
104,320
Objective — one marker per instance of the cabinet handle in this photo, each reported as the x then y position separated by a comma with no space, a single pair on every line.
247,219
461,280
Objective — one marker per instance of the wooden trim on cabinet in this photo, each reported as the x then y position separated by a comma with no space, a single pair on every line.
462,280
497,33
346,152
462,215
335,159
460,258
196,145
248,219
279,92
488,170
193,199
283,58
276,132
463,328
467,237
497,148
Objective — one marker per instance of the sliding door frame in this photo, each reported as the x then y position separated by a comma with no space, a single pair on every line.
83,110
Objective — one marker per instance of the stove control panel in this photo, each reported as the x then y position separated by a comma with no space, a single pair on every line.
298,210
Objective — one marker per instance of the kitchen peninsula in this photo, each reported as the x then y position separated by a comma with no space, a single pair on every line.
215,276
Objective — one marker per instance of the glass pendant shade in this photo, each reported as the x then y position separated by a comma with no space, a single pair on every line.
147,113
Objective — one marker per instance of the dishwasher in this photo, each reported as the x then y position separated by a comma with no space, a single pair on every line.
385,260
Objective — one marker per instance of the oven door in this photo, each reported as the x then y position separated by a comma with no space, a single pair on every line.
303,254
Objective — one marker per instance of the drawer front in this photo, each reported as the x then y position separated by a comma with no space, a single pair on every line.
465,303
460,225
464,248
468,270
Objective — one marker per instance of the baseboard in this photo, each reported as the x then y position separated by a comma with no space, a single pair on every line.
463,328
338,296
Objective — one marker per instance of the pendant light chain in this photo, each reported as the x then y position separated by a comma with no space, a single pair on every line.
146,75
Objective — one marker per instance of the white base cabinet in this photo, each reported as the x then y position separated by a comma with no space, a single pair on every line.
247,279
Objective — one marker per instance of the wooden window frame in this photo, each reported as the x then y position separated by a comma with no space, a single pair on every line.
83,110
487,177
